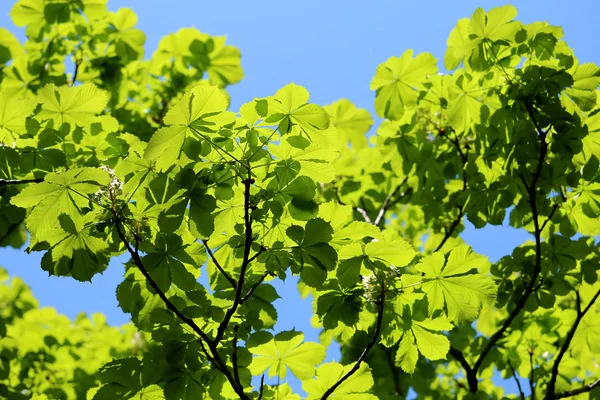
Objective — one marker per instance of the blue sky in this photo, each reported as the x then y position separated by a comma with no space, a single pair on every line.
330,47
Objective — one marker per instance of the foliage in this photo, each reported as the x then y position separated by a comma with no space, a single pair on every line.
43,352
143,157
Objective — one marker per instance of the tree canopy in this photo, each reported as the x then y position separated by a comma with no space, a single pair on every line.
122,154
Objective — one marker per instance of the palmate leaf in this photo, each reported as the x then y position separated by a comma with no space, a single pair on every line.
129,42
398,81
284,350
356,387
290,107
313,161
77,105
171,261
13,113
61,193
351,122
453,284
423,337
200,109
75,251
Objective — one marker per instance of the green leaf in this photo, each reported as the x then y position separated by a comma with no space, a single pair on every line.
357,386
61,193
199,110
77,105
391,250
351,122
13,113
285,350
398,81
455,285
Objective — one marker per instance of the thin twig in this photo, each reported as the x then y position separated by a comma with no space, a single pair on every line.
216,358
7,182
12,228
374,339
255,286
218,265
530,288
575,392
386,202
531,376
551,387
245,262
514,374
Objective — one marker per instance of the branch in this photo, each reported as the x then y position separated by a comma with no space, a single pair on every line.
380,307
575,392
258,253
456,222
246,261
514,373
531,376
7,182
216,358
563,349
234,359
219,267
394,371
471,377
452,228
255,286
12,228
386,204
74,79
531,192
364,214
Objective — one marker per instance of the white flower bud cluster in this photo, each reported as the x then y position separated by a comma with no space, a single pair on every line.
114,188
371,286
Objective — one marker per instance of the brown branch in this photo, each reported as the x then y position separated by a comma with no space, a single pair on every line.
255,286
234,359
575,392
514,374
380,308
219,267
246,261
531,376
394,371
386,204
451,230
216,358
11,229
7,182
262,386
75,72
529,289
551,387
458,356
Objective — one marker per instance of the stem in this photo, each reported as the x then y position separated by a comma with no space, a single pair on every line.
12,228
563,349
246,261
255,286
531,192
380,308
216,358
386,203
7,182
219,267
575,392
514,373
471,376
531,376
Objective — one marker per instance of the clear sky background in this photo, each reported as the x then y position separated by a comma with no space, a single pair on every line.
332,48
